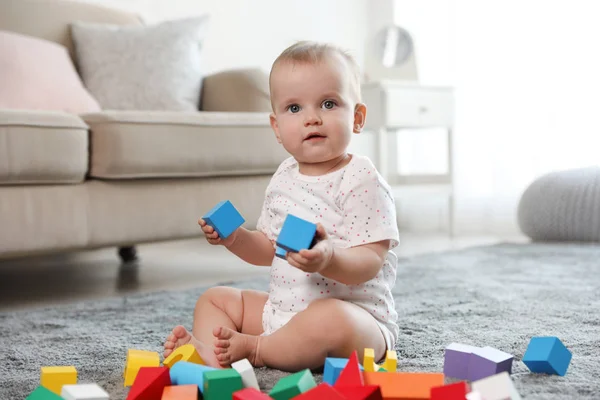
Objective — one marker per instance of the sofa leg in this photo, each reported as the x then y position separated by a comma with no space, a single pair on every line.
128,254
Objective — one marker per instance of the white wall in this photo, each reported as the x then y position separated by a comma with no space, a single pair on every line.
252,33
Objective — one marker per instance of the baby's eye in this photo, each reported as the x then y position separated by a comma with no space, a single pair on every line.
328,104
294,108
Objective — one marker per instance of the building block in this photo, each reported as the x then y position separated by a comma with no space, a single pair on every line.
369,364
250,394
496,387
488,361
293,385
400,385
137,359
221,384
187,373
351,375
548,355
455,391
180,392
187,352
456,360
321,392
281,253
53,378
42,393
149,383
246,371
391,361
368,392
333,368
83,391
224,218
296,234
474,396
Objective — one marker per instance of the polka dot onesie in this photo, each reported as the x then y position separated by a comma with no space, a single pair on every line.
355,206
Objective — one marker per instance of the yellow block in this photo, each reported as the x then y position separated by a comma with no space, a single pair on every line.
391,361
137,359
53,378
187,352
369,361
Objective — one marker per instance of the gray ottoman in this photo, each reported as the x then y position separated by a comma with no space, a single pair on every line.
562,206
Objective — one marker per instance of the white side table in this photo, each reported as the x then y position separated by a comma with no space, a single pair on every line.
396,105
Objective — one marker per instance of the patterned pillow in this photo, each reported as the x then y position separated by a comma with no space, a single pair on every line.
36,74
152,67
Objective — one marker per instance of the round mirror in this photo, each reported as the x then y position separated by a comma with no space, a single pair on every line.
394,46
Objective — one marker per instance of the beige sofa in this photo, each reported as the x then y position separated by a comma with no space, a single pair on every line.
120,178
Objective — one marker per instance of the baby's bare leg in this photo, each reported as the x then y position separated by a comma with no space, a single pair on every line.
240,310
327,328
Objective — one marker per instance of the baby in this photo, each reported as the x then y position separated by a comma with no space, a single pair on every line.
336,297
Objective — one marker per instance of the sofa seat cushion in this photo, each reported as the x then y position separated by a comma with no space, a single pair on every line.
42,147
159,144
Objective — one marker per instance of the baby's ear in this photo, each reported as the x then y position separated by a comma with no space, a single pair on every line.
360,117
275,126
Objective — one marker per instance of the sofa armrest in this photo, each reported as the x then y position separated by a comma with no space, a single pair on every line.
236,90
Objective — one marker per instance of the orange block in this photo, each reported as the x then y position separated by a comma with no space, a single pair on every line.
180,392
403,385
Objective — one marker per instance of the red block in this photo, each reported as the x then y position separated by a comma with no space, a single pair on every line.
149,383
351,375
322,392
369,392
250,394
455,391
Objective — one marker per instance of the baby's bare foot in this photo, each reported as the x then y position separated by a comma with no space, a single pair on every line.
180,336
232,346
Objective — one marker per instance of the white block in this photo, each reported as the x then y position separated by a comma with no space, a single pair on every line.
474,396
83,391
496,387
246,370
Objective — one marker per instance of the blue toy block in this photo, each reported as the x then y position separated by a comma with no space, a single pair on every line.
296,234
279,252
187,373
547,354
333,368
224,218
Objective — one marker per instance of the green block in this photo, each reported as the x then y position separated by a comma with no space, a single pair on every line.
221,384
293,385
41,393
381,369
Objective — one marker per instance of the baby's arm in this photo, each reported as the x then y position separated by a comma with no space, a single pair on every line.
356,265
254,247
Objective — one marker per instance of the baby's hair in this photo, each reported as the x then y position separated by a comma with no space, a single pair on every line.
313,53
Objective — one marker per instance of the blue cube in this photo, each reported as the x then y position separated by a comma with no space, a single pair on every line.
547,354
279,252
224,218
296,234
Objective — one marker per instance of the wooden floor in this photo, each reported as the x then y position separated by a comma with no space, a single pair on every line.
40,281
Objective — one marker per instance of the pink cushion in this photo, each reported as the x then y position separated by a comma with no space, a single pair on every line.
36,74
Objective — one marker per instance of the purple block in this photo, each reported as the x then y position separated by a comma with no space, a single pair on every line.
456,360
488,361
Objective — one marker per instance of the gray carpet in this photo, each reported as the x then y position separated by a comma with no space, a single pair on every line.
498,296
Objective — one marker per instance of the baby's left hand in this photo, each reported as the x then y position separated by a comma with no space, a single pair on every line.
316,259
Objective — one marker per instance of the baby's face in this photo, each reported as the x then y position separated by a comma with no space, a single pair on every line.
313,109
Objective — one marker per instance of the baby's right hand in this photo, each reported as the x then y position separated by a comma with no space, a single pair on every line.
213,237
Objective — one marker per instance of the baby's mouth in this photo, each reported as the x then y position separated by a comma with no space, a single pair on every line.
313,136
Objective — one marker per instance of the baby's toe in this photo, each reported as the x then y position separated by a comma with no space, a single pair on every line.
222,343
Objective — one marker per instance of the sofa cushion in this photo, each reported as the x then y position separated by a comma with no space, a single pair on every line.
42,147
154,67
136,144
36,74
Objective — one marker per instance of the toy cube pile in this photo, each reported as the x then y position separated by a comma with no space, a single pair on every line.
183,376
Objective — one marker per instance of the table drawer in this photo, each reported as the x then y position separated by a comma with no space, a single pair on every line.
413,107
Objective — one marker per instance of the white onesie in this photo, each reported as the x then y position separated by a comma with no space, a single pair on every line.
356,207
